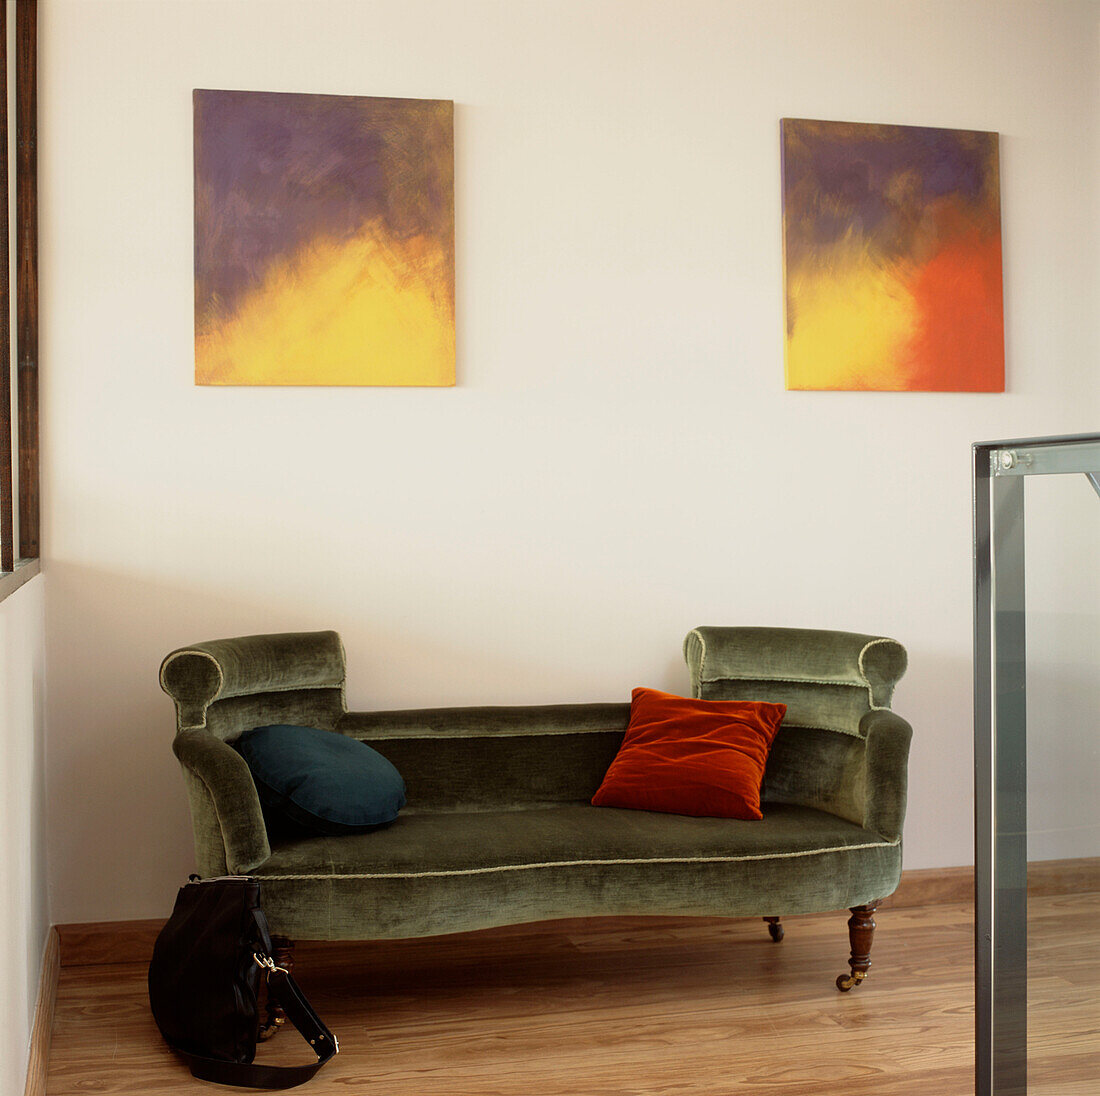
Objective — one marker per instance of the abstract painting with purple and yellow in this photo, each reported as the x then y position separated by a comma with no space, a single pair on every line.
324,240
892,258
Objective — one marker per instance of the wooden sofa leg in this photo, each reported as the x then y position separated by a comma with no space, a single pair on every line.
775,929
861,932
283,954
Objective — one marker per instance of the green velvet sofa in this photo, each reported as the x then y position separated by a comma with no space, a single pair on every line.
499,829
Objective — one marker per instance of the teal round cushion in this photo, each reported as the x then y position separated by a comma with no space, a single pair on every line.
320,780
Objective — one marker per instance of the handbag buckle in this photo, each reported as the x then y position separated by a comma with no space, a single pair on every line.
268,963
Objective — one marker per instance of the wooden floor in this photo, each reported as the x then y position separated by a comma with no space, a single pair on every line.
644,1006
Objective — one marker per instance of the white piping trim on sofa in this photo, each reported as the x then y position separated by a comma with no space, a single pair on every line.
863,673
583,863
179,703
702,653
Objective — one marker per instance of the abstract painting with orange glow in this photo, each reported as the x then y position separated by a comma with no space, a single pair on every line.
324,240
892,258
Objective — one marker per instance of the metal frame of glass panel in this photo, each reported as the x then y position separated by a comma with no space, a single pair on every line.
1000,743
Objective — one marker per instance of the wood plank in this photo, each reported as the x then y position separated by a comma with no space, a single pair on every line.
26,258
95,942
922,886
1053,877
44,1009
633,1007
578,1007
1044,877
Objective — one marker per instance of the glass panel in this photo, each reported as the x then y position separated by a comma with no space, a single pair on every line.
1063,785
1037,759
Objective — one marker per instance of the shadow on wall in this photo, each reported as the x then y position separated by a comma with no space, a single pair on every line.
119,831
23,914
937,697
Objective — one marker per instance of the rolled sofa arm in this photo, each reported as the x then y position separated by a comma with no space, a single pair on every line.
812,656
888,737
230,834
218,775
194,677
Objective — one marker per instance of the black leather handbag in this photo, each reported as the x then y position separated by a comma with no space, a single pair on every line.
204,983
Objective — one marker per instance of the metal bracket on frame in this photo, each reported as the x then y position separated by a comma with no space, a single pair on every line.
1045,459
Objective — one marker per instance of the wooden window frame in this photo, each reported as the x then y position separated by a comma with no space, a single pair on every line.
15,571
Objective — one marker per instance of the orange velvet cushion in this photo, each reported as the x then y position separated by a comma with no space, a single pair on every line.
686,756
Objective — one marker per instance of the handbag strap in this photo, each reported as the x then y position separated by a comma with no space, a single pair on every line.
282,986
300,1013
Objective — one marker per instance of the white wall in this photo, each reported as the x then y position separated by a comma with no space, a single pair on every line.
23,919
619,462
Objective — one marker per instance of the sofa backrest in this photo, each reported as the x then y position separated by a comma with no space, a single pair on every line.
495,758
481,758
829,682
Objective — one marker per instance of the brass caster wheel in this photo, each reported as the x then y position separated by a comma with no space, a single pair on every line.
775,932
845,982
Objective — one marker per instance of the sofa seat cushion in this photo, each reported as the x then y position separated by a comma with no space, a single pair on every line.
449,872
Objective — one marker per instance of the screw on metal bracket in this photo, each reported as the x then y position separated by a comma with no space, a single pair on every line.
1007,459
